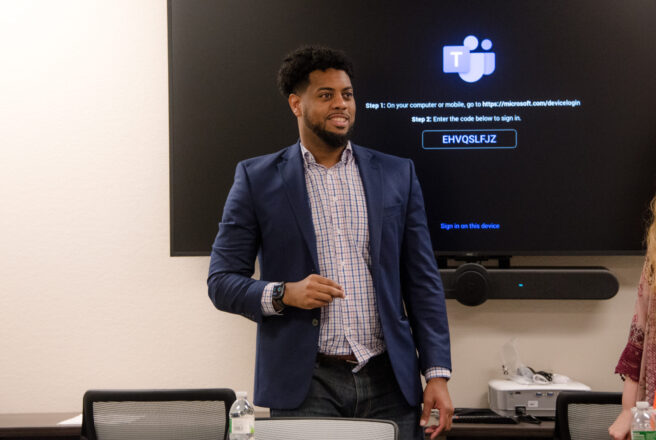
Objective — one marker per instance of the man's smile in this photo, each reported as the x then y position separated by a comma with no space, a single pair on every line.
339,120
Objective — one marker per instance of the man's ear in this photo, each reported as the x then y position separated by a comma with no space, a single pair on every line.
295,104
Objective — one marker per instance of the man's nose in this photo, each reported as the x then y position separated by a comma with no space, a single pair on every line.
339,102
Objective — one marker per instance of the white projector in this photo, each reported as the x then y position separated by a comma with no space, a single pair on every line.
510,398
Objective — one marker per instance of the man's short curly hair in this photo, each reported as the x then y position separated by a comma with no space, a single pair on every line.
294,73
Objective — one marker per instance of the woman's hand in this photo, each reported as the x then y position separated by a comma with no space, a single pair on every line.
621,428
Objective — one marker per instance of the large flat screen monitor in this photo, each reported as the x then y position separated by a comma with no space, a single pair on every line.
531,123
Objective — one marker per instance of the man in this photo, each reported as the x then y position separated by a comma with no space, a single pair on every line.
349,289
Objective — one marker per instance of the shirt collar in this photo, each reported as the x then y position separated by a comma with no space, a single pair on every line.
345,159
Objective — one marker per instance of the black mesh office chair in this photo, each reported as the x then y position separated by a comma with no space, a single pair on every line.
195,414
586,415
319,428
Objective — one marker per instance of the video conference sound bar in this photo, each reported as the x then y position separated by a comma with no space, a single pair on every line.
472,284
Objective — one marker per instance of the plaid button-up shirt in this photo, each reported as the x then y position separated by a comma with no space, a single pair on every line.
339,215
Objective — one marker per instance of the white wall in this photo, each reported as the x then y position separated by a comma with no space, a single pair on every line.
89,297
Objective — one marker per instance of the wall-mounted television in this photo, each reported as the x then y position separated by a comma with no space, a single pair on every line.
531,123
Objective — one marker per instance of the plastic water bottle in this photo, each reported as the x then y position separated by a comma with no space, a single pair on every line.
242,418
642,427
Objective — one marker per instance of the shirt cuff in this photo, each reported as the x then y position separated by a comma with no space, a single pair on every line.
267,298
434,372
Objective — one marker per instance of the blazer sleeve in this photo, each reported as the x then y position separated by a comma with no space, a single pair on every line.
423,293
235,248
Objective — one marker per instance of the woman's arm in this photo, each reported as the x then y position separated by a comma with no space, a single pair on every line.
621,428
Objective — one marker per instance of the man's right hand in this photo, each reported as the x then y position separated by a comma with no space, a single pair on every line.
312,292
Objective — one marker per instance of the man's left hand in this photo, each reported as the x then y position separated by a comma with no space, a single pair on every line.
436,395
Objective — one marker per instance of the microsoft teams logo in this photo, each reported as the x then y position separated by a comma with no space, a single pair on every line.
471,66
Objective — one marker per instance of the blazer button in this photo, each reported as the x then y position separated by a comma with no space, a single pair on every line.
315,322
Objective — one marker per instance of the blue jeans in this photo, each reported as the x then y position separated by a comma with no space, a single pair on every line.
371,393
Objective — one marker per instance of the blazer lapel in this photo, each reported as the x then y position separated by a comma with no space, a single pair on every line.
292,173
372,181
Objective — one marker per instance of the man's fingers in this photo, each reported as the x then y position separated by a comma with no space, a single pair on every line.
322,297
434,431
327,286
313,304
425,414
333,292
445,420
444,425
326,281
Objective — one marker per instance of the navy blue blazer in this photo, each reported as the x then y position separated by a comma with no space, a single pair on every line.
267,215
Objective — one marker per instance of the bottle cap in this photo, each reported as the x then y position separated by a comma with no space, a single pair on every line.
642,405
241,394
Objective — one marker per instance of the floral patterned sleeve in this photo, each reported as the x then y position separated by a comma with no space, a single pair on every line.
630,360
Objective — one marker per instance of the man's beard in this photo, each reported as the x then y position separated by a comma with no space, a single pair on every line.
334,140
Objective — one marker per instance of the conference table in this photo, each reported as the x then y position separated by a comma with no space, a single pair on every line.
45,426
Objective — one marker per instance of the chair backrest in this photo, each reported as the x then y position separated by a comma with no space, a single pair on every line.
320,428
194,414
586,415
